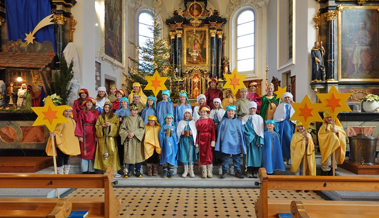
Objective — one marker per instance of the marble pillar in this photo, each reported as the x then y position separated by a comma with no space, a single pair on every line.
213,54
219,54
330,56
179,33
173,48
59,20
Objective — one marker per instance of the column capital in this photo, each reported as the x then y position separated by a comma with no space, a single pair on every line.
213,33
179,33
219,34
330,15
172,34
59,19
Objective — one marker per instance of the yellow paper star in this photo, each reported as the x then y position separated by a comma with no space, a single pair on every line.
49,115
234,81
306,112
280,92
334,102
155,83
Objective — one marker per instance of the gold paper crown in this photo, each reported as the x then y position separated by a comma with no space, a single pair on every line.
137,84
298,123
113,86
326,114
204,109
136,94
253,84
108,103
244,89
271,84
133,107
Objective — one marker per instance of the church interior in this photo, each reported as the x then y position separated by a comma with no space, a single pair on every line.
299,77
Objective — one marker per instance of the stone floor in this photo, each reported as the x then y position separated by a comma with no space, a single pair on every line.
190,202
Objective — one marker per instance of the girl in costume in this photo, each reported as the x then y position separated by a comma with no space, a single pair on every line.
86,131
78,103
302,144
254,133
286,127
123,112
151,145
112,96
332,138
132,131
201,100
179,109
217,113
186,132
165,106
229,100
231,141
272,157
106,130
241,104
149,109
205,141
66,142
212,92
269,103
168,141
116,103
253,96
101,98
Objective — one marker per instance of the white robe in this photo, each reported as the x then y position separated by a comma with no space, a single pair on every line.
220,114
280,113
195,114
181,125
257,123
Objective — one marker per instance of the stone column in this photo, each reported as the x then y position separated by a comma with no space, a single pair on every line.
59,20
219,54
179,33
173,46
330,56
213,53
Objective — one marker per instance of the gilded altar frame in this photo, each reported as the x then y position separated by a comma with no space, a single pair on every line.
340,46
188,43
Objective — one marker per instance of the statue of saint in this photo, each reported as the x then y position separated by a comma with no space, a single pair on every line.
318,69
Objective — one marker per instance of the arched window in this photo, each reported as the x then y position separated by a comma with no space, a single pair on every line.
245,41
145,25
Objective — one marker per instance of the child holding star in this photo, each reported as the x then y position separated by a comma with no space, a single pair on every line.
272,157
165,106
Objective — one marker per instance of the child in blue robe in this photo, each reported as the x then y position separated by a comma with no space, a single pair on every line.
149,109
286,128
254,133
179,109
186,132
168,141
165,106
272,158
231,141
124,111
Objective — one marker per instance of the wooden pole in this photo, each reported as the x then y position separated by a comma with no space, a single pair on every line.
334,163
54,159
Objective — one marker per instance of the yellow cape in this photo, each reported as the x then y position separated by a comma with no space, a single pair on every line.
330,142
151,141
143,98
298,148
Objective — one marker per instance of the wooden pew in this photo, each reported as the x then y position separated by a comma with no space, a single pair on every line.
265,208
107,207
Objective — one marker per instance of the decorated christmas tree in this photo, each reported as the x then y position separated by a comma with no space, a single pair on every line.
153,55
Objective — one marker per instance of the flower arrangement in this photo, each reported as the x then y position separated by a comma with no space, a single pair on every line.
370,98
56,99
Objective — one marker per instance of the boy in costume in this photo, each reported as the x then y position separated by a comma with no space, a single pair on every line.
331,138
165,106
241,103
269,103
168,141
112,96
231,141
179,109
132,131
149,109
253,96
136,101
272,157
302,144
151,145
205,141
254,140
286,127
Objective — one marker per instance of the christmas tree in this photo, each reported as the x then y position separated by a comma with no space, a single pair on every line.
61,84
153,55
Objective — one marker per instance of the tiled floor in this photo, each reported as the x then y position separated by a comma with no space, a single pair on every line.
190,202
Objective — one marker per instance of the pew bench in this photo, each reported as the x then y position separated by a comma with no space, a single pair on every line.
107,207
270,208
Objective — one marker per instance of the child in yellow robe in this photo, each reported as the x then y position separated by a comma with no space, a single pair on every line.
106,150
332,138
302,144
152,147
66,142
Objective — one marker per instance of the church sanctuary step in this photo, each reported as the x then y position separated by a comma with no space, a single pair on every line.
24,164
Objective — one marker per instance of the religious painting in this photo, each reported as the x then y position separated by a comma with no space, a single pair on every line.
358,44
113,30
195,9
196,47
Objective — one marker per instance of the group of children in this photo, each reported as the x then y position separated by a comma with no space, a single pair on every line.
115,131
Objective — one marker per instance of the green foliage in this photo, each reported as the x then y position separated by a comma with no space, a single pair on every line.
61,84
153,56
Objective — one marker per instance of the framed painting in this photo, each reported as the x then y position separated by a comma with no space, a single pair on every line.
196,40
113,42
358,44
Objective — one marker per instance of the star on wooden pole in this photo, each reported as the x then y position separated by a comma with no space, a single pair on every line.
334,102
49,115
234,81
155,83
306,112
280,92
